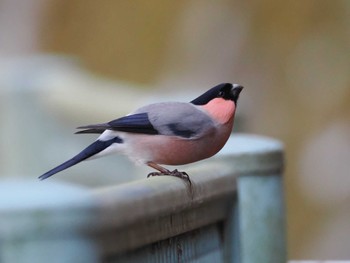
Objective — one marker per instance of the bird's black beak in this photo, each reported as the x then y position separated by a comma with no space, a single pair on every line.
235,91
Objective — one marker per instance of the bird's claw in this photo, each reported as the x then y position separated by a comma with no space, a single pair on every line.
176,173
155,174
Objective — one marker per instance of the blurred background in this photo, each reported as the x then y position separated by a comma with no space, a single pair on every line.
68,63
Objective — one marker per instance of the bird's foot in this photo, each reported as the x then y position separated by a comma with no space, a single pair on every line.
155,174
176,173
182,175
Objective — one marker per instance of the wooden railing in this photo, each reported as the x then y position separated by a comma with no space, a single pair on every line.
234,212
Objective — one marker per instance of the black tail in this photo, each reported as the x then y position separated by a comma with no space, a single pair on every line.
89,151
90,131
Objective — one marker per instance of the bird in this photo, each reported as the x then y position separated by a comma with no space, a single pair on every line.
165,133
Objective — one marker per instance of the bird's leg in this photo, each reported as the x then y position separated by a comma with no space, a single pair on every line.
163,171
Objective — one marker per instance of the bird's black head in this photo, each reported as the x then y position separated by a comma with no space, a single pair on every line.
226,91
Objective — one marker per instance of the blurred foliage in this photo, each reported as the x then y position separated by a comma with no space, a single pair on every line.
119,39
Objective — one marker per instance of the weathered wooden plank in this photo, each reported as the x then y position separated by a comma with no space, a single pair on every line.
159,212
200,245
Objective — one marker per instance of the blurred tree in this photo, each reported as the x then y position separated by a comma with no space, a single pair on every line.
119,39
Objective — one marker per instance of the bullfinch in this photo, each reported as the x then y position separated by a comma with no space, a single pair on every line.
166,133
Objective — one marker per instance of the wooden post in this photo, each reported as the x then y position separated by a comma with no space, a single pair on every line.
262,219
256,222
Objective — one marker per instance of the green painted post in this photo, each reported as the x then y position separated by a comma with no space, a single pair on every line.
255,228
261,219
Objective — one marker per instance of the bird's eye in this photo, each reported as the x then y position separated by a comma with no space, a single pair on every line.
221,94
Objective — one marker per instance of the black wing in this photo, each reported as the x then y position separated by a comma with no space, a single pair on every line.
135,123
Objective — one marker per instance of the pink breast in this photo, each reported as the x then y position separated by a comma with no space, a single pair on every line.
221,110
171,150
